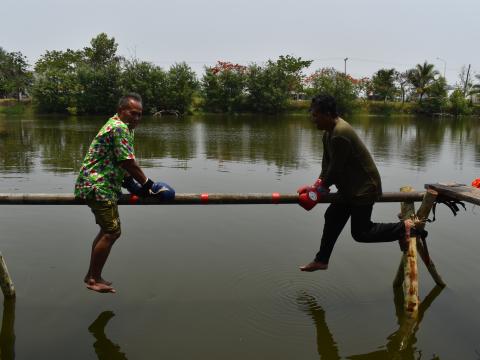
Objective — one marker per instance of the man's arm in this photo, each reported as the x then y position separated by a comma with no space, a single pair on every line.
132,167
325,157
341,150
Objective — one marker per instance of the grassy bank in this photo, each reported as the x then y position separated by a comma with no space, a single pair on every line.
297,107
14,107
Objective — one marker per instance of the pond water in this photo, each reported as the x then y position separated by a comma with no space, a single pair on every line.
210,282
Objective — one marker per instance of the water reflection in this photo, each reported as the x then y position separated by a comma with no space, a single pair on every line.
7,333
104,348
288,142
400,344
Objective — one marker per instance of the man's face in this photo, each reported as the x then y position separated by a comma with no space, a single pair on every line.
320,119
131,114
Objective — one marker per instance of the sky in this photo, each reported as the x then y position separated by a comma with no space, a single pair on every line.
372,34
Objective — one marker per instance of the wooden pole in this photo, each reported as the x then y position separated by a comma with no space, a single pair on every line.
6,282
410,269
195,199
407,209
423,213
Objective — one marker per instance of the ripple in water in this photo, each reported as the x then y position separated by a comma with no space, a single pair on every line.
282,297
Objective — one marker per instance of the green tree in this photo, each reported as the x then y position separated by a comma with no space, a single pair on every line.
99,77
332,82
223,87
458,104
269,87
181,85
383,84
401,78
293,68
15,78
102,51
436,100
421,78
146,79
55,83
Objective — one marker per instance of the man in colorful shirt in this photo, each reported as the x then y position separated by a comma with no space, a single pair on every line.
110,160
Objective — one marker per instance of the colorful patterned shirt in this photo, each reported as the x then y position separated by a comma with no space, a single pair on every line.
101,176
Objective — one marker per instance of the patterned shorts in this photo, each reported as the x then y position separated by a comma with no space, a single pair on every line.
106,215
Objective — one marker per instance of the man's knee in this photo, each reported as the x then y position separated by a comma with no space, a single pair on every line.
359,235
112,236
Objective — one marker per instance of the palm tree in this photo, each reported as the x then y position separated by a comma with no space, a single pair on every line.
421,77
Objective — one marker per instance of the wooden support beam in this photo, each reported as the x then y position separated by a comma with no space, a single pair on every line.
410,268
6,282
422,214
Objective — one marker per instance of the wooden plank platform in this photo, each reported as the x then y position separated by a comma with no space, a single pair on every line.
460,192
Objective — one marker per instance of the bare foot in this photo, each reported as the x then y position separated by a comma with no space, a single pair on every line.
99,287
314,266
100,281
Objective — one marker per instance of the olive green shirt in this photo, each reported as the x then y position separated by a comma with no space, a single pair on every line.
348,165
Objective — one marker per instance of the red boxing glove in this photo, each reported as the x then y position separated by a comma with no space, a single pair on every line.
476,183
310,195
303,189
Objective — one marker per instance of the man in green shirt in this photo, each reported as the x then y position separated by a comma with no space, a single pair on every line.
110,160
348,165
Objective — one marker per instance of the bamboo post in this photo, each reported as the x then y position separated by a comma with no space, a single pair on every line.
6,282
423,213
408,270
407,209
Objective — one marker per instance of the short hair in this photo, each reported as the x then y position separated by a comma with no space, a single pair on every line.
325,104
125,99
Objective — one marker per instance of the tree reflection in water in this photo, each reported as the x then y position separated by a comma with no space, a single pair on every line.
400,344
104,348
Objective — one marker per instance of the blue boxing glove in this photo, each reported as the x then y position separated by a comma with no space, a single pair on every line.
162,191
131,185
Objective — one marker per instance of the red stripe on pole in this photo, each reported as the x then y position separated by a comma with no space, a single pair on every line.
204,198
275,197
133,199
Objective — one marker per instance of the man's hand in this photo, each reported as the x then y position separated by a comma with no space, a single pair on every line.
131,185
146,188
309,196
162,191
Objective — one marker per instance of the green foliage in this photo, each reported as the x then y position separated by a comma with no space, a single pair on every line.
99,88
230,87
458,104
421,78
181,85
148,80
383,84
55,86
292,68
84,81
267,88
436,101
16,109
332,82
386,107
98,77
223,87
15,78
102,51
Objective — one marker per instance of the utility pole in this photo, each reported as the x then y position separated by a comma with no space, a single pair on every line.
345,60
466,81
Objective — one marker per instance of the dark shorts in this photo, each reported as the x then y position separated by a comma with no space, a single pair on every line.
106,215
